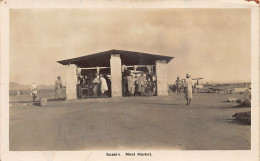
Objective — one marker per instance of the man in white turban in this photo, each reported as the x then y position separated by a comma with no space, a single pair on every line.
34,90
188,88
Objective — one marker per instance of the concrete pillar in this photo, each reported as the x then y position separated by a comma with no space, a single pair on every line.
161,76
71,81
116,75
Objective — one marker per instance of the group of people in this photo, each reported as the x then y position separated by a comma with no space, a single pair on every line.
57,89
187,84
100,85
134,85
97,86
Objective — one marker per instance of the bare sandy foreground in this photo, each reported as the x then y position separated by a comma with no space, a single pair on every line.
131,123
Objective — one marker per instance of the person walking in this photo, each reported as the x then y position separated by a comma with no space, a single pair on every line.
188,88
34,91
58,88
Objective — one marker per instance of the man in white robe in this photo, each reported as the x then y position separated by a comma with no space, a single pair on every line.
34,91
58,88
188,88
131,84
96,83
103,84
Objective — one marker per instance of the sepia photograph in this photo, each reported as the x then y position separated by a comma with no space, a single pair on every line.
129,82
86,79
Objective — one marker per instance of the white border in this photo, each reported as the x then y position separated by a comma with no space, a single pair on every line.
226,155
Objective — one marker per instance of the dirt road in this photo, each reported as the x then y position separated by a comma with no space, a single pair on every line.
139,123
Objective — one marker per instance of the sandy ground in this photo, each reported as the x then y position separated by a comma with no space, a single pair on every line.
132,123
28,99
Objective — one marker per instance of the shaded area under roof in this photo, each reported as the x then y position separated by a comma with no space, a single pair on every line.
102,59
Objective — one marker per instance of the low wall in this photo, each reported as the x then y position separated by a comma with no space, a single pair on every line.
27,92
239,90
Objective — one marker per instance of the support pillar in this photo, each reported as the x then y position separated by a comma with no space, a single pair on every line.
116,75
161,76
71,81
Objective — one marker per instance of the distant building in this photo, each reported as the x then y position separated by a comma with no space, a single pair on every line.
114,65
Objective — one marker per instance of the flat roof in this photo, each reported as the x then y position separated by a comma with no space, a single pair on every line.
102,59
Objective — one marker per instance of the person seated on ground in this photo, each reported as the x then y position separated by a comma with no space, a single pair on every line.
248,93
103,84
34,91
247,100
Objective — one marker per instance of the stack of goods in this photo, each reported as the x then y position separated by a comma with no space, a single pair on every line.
43,101
244,117
231,99
244,102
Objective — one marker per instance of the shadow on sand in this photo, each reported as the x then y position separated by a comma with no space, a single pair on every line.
21,102
197,106
237,122
165,104
235,106
37,103
53,99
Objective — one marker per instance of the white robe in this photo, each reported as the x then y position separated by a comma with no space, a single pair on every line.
188,88
103,85
34,88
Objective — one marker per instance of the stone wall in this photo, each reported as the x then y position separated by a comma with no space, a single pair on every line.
71,81
116,75
161,75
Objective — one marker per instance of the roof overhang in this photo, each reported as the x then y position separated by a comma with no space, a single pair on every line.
102,59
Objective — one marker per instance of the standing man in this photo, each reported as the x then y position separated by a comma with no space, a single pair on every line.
178,85
34,91
96,85
58,88
124,86
143,84
188,88
103,84
131,84
141,81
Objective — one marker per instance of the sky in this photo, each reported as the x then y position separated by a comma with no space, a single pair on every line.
210,43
